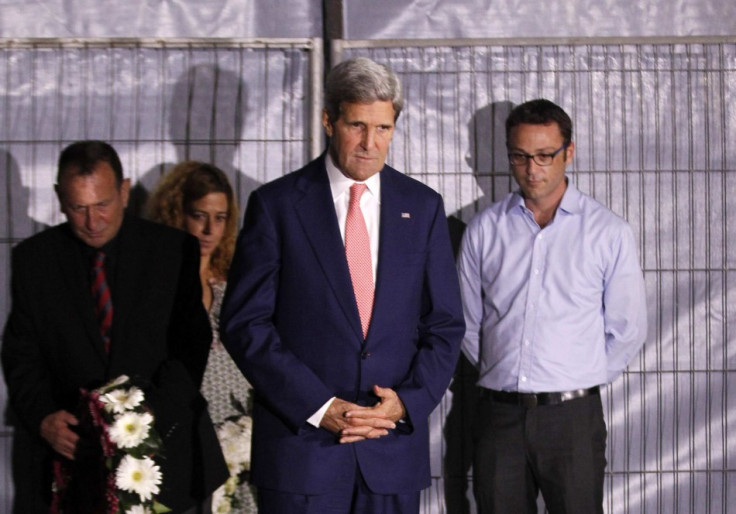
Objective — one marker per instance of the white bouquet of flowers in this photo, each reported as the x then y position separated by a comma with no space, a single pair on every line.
129,442
234,435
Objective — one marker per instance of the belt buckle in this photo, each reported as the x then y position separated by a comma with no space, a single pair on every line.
571,395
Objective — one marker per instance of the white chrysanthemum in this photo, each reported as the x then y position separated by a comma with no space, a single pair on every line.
130,429
246,423
231,485
237,454
140,476
220,501
228,430
121,400
138,509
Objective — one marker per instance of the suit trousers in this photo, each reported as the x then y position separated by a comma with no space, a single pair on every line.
203,508
556,449
350,495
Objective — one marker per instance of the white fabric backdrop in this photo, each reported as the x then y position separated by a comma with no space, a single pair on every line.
367,19
160,18
400,19
243,107
653,126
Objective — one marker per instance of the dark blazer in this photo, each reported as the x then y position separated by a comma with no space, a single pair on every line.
291,323
160,338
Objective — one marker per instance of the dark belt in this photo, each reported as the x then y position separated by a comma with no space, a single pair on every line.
534,399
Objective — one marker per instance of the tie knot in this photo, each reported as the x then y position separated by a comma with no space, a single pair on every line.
356,191
99,259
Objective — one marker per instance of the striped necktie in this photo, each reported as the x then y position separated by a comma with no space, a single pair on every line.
358,253
102,298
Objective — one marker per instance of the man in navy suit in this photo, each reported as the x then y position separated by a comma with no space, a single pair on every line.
347,365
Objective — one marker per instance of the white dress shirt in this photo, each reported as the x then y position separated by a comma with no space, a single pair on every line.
551,309
370,205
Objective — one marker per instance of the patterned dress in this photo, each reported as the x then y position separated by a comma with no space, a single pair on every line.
224,387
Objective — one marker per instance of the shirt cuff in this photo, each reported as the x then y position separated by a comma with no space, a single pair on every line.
316,418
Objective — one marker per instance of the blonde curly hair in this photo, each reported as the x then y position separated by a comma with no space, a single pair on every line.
186,183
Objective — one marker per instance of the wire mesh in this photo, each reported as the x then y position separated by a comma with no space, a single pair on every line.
653,121
245,106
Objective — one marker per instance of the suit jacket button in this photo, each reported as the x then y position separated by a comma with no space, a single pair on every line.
365,355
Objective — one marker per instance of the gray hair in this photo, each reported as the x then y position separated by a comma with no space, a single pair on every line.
361,80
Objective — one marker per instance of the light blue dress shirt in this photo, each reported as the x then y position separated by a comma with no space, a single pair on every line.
552,309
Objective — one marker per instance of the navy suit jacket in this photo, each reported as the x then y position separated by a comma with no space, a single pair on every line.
291,323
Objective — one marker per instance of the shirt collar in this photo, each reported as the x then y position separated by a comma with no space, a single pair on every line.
569,203
570,200
340,184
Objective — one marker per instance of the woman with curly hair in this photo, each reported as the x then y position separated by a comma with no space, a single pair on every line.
198,198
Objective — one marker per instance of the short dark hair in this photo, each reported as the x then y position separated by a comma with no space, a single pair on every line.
361,80
540,112
81,157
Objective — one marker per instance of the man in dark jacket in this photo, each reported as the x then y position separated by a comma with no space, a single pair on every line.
154,329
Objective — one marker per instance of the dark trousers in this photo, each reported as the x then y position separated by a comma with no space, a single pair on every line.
351,495
203,508
556,449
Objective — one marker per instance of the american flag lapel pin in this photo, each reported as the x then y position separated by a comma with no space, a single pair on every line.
405,215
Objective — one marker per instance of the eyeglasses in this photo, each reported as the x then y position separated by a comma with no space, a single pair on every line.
542,159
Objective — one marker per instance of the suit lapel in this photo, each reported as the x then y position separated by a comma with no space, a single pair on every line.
129,280
316,213
394,242
75,281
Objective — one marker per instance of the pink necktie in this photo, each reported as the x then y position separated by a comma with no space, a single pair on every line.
358,253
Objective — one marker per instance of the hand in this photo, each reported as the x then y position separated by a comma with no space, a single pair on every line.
55,430
368,426
373,422
334,419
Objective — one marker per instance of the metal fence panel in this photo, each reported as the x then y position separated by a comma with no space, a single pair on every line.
654,125
246,106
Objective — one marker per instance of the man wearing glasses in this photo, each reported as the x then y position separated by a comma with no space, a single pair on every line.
554,304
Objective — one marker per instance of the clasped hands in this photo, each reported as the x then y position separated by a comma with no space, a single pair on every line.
353,423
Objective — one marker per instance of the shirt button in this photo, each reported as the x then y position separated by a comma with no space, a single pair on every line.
523,379
536,271
526,342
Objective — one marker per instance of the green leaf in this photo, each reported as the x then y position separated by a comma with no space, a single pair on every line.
160,508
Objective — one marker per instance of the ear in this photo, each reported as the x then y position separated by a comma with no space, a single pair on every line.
326,123
58,192
125,191
569,151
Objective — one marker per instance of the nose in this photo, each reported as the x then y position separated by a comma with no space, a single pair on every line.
369,136
92,219
207,226
531,166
